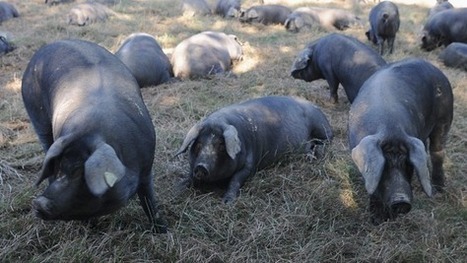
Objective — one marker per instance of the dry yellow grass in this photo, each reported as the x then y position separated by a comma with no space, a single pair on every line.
296,211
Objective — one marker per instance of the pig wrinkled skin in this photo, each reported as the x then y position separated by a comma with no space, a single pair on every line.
444,28
338,59
88,113
384,24
227,8
265,14
455,55
145,59
238,140
325,18
204,54
399,111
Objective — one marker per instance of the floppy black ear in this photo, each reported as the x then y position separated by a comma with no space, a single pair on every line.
301,62
369,159
419,159
53,153
232,142
189,138
103,169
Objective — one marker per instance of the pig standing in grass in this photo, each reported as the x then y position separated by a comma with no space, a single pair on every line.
265,14
7,11
236,141
444,28
384,24
455,55
397,111
338,59
88,113
205,54
144,57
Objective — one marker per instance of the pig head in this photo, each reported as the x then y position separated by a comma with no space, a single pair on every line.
400,110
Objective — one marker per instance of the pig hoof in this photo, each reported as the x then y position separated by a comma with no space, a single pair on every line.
228,199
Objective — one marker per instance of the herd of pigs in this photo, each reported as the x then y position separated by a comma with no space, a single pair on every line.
397,111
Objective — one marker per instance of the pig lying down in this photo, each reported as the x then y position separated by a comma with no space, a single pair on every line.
455,55
145,59
238,140
88,113
204,54
400,110
88,13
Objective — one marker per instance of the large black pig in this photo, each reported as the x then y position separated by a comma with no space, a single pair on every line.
397,111
236,141
338,59
145,58
455,55
384,24
88,113
265,14
445,27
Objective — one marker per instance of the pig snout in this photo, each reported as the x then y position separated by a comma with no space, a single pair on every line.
400,203
200,171
42,207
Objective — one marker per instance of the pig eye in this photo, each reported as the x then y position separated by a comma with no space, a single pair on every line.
196,148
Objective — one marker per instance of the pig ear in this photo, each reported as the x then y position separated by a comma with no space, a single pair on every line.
252,14
299,22
301,62
189,138
369,159
55,150
103,169
418,158
232,143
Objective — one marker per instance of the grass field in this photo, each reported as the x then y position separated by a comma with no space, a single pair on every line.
296,211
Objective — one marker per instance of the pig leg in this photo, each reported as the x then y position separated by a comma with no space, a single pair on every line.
149,203
437,140
333,85
237,181
391,44
380,41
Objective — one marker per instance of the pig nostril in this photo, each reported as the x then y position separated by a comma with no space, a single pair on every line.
401,208
200,171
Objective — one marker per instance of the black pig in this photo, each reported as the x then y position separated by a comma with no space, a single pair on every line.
265,14
445,27
455,55
397,111
7,11
88,113
338,59
236,141
384,24
227,8
144,57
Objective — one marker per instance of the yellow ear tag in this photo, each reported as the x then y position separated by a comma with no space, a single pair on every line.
110,178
